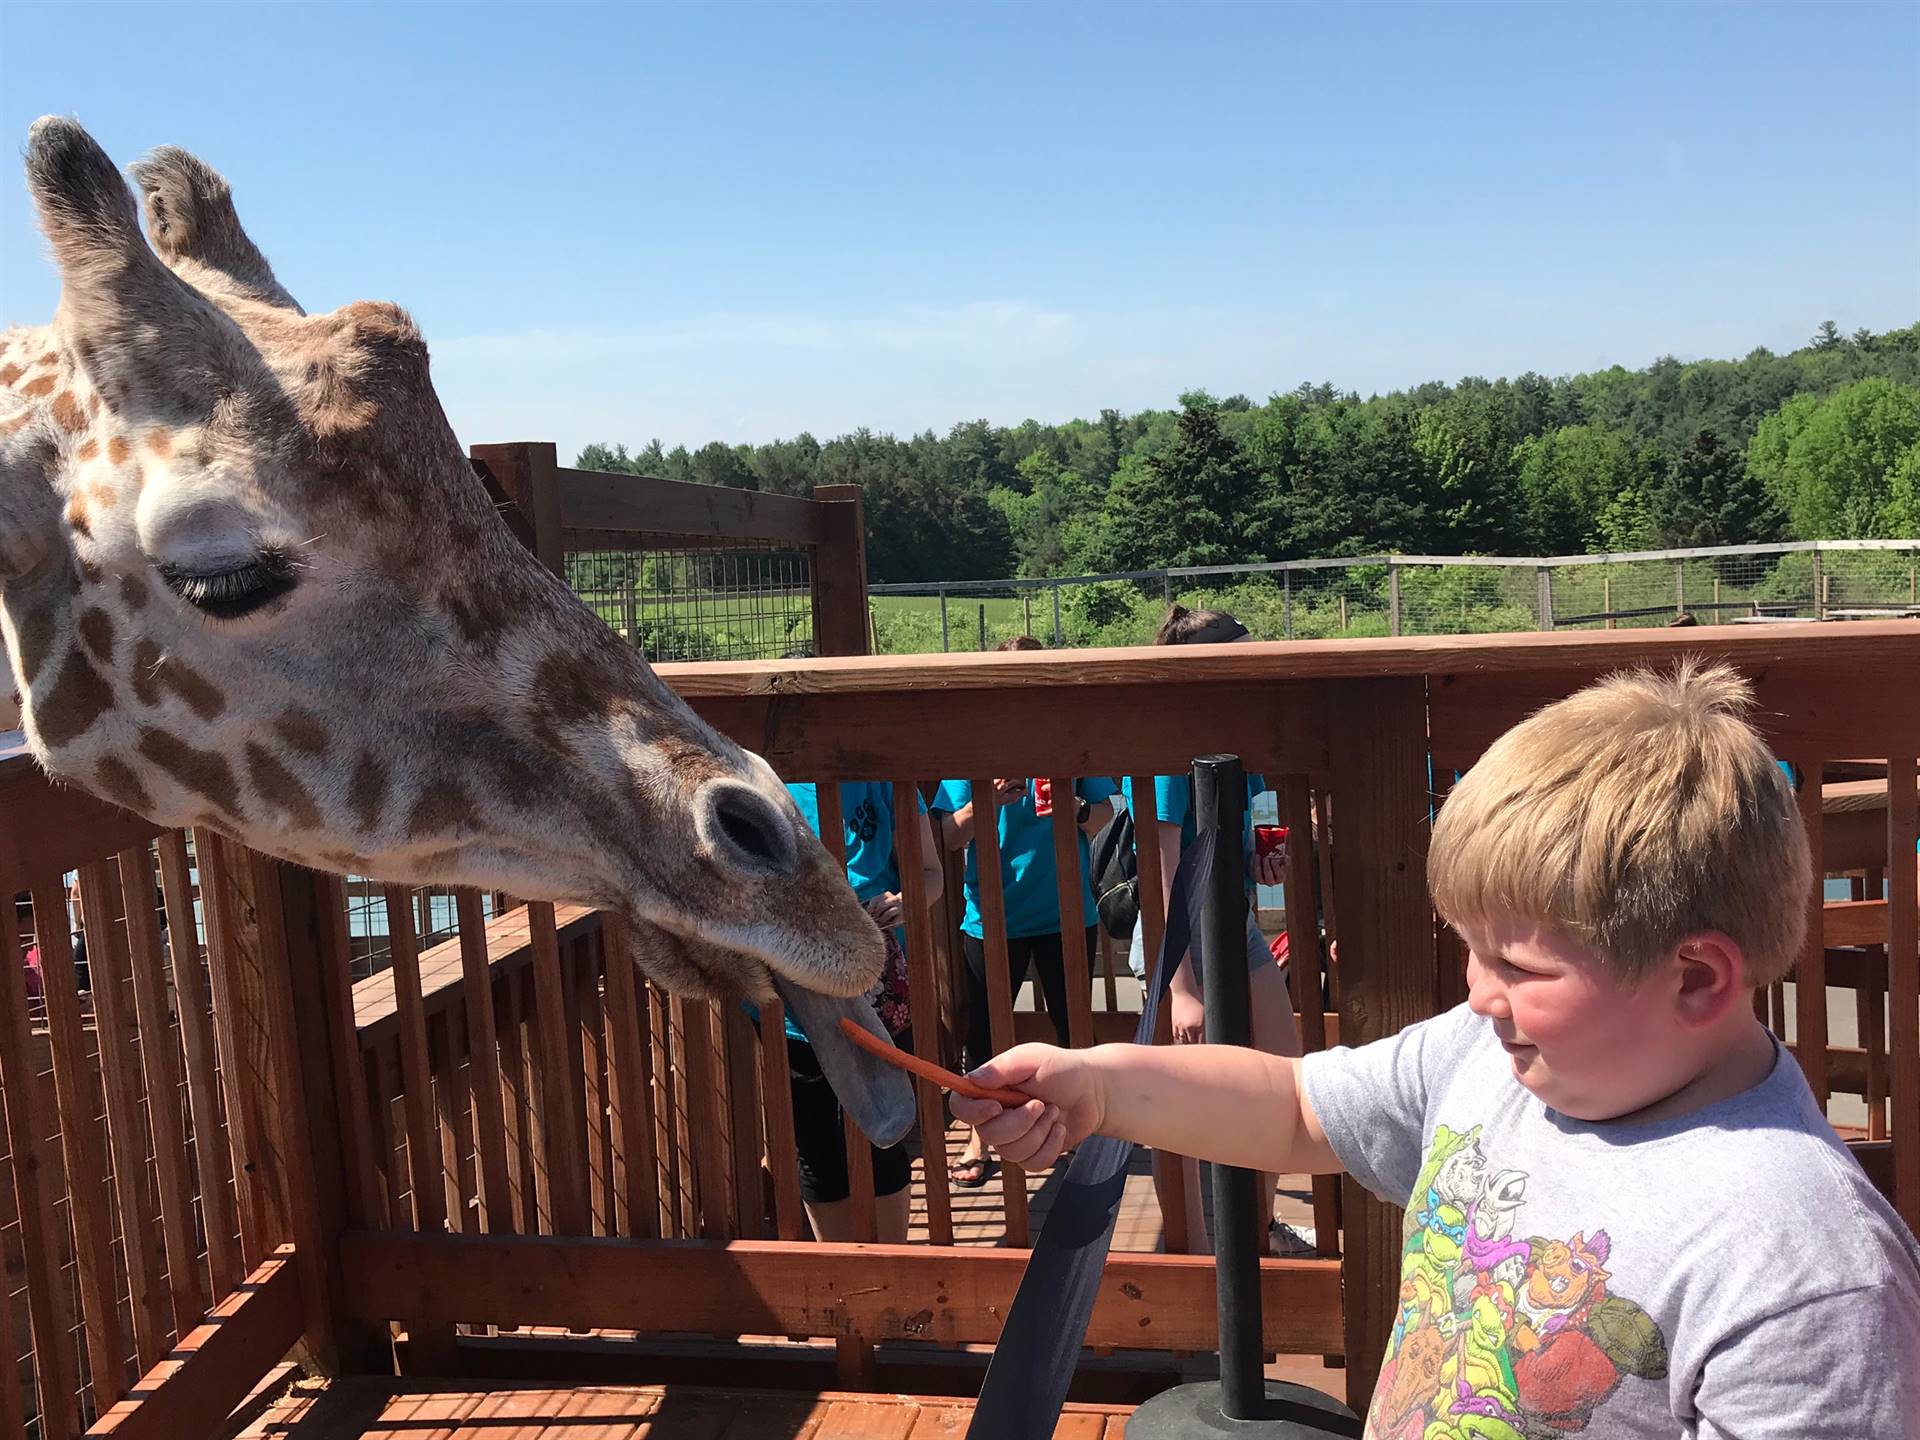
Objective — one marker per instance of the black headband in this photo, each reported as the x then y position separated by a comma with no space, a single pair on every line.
1221,630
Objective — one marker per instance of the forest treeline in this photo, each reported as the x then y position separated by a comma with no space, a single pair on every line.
1821,443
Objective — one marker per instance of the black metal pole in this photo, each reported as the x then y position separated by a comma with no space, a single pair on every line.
1220,806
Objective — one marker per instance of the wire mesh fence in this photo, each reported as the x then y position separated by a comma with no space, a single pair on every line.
1417,595
743,602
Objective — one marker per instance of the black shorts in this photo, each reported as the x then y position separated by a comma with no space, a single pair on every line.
820,1135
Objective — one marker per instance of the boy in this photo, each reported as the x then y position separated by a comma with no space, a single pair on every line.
1625,1214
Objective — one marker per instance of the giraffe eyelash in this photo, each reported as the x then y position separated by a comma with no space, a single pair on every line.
231,594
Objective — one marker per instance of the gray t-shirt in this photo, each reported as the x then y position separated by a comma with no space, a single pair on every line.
1728,1273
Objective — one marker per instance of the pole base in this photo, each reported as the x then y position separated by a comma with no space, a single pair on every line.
1292,1412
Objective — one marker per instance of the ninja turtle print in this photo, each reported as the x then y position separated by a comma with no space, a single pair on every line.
1502,1335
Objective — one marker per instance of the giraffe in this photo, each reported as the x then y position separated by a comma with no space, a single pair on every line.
249,580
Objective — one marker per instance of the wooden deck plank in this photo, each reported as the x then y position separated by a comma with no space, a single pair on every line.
398,1409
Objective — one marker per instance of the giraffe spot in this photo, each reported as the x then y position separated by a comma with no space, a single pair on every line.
80,696
35,630
68,414
304,731
100,497
569,687
10,373
160,441
43,386
133,592
96,632
93,404
52,357
154,672
280,787
77,517
7,427
87,451
368,792
115,779
443,807
118,449
93,573
205,772
345,862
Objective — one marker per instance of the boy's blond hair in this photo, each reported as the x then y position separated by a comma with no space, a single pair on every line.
1638,812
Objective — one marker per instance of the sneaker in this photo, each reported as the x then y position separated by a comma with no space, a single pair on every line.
1291,1242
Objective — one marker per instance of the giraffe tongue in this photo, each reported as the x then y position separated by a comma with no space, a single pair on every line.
879,1097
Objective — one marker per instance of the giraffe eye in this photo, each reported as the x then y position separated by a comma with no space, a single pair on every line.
230,594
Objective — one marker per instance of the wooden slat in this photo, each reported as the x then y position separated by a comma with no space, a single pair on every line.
1073,933
100,911
1378,739
583,978
745,1109
424,1162
633,1125
161,1062
55,1380
215,860
789,1219
378,1068
212,1155
1181,1232
752,1287
666,1135
1304,963
703,1121
1903,969
490,1132
557,1091
515,1106
1810,974
993,927
926,1004
81,1144
191,1392
362,1177
622,507
862,1209
442,1063
13,1399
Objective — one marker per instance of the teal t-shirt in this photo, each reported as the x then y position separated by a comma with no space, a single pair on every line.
866,819
1028,876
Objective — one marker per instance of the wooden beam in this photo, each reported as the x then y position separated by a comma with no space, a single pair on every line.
191,1392
527,472
641,505
1388,962
1854,922
839,571
762,1287
53,828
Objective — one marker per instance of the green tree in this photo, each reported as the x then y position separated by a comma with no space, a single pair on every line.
1187,506
1564,479
1707,496
1830,462
1469,455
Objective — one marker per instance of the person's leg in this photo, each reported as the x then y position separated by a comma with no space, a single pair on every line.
1049,966
820,1142
893,1194
970,1170
1276,1032
979,1043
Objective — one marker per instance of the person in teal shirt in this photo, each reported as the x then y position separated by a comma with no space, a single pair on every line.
867,825
1029,883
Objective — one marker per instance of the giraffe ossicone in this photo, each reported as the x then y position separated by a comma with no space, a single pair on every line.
249,580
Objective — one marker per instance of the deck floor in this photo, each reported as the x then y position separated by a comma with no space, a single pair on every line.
366,1408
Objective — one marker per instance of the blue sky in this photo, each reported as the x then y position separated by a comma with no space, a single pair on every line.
738,221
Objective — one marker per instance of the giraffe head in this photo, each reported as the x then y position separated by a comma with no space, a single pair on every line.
248,579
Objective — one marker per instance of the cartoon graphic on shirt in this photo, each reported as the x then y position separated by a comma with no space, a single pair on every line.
1500,1337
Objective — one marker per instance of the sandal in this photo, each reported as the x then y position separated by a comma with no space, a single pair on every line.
970,1174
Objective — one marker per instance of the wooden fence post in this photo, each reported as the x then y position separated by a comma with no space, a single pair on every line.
528,474
840,572
1389,975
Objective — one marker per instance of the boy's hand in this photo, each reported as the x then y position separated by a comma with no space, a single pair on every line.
1069,1104
1189,1014
1271,868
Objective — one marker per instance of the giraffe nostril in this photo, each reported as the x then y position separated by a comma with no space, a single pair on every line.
748,830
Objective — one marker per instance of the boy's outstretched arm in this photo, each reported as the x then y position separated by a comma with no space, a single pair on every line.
1222,1103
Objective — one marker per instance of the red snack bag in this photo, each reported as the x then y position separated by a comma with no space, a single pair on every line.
1042,797
1268,838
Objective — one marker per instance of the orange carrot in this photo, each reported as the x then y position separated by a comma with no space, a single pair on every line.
926,1069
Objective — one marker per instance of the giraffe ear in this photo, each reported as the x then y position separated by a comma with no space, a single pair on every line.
196,230
140,331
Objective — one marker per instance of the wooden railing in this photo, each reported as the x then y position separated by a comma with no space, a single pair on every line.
524,1134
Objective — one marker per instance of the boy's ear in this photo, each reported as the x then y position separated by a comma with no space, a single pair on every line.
1712,975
